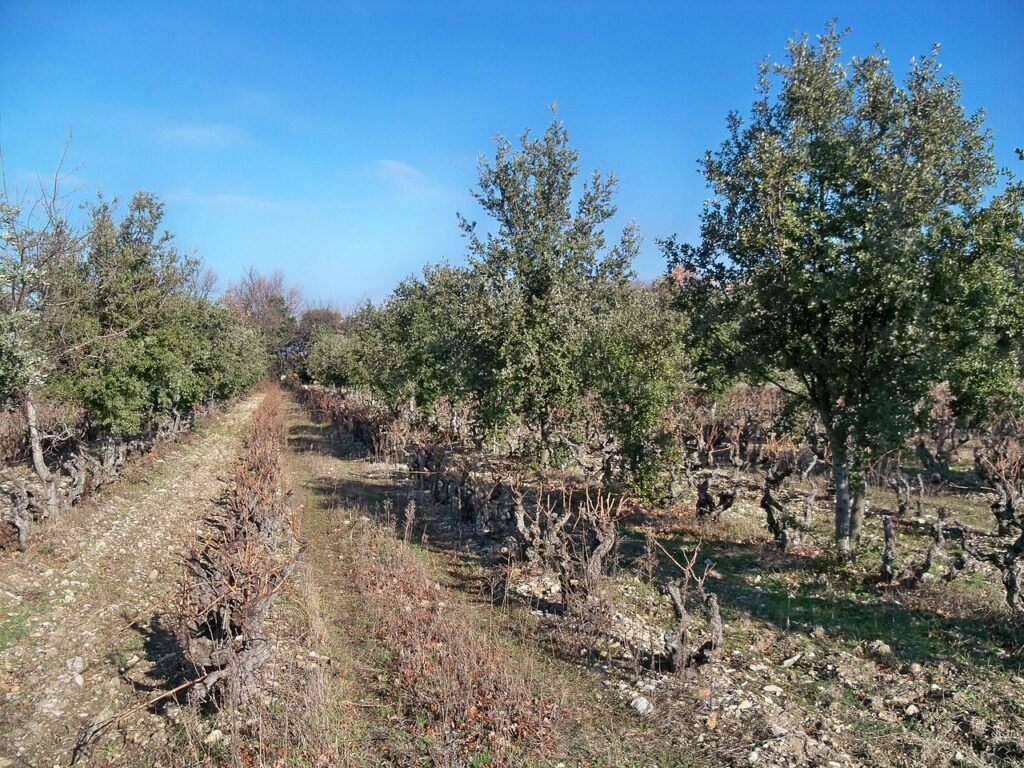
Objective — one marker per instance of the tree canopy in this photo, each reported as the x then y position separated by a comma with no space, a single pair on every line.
545,273
107,318
854,249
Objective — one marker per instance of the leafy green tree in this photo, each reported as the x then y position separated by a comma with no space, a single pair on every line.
637,369
848,251
109,318
194,354
544,273
123,299
330,358
316,323
232,357
980,312
416,345
72,300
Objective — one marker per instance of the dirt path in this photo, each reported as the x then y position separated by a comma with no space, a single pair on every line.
73,649
817,670
83,633
340,490
819,666
69,606
344,702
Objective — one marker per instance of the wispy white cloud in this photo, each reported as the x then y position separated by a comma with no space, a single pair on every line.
203,135
400,175
223,200
405,178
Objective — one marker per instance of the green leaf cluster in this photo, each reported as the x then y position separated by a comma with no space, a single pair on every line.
543,327
106,319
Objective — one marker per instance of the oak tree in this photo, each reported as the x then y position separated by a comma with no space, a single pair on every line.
854,250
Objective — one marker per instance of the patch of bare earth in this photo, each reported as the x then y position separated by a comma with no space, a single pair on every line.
82,627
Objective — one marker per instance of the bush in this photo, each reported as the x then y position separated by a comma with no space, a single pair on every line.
330,359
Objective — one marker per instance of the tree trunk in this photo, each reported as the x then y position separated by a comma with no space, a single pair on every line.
38,462
841,479
889,553
858,506
1013,575
545,439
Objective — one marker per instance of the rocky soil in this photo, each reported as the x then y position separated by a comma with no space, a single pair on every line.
84,614
819,666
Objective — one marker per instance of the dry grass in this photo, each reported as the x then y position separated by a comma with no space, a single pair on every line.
797,658
257,623
454,675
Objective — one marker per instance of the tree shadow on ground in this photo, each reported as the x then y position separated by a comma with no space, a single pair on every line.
806,589
365,495
384,496
322,438
169,668
798,591
842,607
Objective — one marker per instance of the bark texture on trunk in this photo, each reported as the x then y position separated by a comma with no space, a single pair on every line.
858,506
841,480
35,440
889,553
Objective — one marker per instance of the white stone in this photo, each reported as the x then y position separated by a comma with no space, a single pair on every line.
642,706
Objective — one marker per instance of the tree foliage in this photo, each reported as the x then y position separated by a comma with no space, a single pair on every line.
416,346
851,251
638,369
545,273
106,318
329,357
543,328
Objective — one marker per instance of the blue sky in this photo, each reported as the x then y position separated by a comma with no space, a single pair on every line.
337,141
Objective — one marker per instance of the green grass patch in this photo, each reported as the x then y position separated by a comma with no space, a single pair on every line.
13,628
